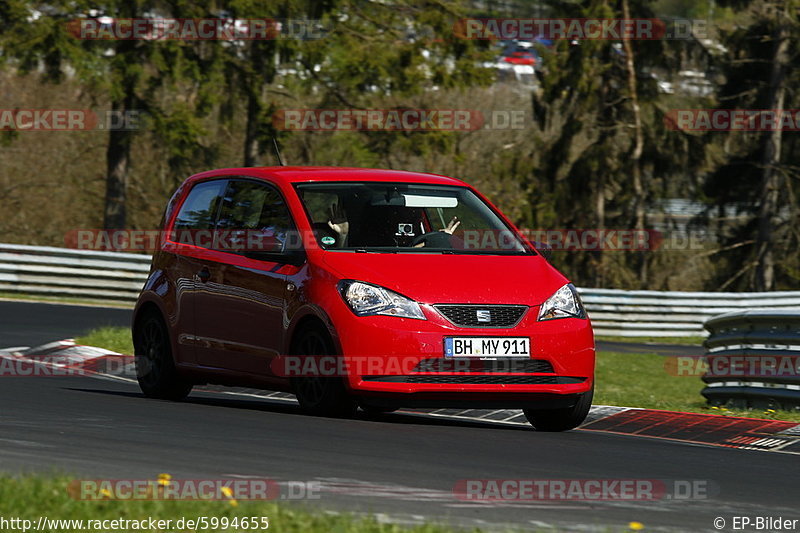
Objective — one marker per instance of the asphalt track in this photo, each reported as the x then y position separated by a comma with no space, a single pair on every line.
32,324
403,465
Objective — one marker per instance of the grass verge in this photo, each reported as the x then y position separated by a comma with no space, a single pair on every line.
116,339
31,497
641,380
624,379
683,341
66,300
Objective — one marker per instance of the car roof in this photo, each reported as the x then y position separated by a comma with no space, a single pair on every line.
316,174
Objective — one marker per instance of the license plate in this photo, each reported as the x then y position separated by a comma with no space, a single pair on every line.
487,347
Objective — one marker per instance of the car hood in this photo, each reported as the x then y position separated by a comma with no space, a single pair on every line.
448,278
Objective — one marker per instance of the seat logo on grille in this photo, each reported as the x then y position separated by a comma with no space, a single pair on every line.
484,315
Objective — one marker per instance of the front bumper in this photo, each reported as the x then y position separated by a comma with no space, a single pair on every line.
565,345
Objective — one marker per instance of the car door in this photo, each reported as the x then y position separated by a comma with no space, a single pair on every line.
240,321
187,240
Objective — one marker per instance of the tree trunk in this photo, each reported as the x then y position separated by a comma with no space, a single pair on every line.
251,145
600,224
639,191
117,166
638,146
118,151
259,73
770,176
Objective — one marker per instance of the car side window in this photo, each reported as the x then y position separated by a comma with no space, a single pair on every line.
254,218
199,210
318,204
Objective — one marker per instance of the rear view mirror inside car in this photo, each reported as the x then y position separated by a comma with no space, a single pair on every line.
416,200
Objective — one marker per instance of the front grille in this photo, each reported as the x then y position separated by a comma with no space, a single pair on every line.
450,364
482,316
467,379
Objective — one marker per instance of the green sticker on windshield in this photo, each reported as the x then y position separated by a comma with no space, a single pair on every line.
328,240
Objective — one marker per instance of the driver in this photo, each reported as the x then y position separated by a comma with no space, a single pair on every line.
441,238
338,222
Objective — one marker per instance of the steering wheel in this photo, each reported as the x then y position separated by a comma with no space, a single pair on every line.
438,239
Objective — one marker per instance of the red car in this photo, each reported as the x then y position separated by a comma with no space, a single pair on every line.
520,57
359,287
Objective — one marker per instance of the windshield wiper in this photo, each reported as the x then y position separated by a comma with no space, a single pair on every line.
485,252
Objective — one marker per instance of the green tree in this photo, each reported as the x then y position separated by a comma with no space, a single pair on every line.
399,53
128,74
601,148
758,171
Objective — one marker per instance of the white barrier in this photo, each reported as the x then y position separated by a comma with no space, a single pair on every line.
48,271
671,313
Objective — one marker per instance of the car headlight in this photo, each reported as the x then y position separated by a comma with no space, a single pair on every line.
565,303
366,300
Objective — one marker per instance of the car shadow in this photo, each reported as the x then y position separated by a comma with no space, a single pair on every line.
218,399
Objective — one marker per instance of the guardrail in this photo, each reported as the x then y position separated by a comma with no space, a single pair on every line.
753,359
87,274
671,313
48,271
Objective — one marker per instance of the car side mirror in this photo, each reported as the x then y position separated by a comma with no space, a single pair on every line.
294,257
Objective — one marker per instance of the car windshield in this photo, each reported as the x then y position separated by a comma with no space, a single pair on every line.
406,217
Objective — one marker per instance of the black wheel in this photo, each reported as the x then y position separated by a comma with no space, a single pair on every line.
317,395
561,419
155,369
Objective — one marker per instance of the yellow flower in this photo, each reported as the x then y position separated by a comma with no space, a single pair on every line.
229,494
636,526
105,492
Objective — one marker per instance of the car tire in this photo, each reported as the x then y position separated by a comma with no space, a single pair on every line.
155,368
317,395
561,419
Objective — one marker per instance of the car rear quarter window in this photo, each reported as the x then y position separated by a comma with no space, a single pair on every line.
199,210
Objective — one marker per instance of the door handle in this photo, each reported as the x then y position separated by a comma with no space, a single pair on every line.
204,275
